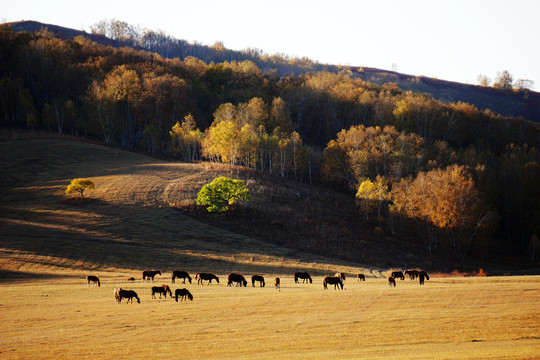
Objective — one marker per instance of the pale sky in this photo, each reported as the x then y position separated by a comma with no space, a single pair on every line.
450,40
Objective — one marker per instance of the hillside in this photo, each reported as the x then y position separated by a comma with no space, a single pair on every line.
127,222
138,217
514,103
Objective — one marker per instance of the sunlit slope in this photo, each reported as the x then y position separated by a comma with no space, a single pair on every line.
128,224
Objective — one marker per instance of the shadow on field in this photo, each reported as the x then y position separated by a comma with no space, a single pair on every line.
7,276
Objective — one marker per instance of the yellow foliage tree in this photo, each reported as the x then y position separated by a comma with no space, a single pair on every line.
80,185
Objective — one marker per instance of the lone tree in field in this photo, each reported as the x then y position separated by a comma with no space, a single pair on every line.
221,193
80,185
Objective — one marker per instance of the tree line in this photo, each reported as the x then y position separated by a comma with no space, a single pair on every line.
316,126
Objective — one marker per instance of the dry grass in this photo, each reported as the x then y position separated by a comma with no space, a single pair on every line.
449,318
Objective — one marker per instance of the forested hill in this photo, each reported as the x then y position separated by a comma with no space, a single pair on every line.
512,103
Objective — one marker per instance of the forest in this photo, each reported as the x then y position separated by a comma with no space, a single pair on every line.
448,172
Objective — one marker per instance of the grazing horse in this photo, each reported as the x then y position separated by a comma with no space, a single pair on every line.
129,295
205,276
258,278
361,277
184,294
149,274
413,273
163,289
421,276
277,283
302,275
398,274
117,297
333,280
236,278
131,279
391,281
341,276
93,279
181,274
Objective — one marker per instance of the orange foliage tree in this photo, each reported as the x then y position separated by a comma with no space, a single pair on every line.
446,200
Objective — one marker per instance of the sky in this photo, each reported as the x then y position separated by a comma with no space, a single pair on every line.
451,40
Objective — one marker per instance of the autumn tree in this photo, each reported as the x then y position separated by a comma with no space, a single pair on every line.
80,186
445,200
503,80
185,139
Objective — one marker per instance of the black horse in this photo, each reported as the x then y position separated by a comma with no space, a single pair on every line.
398,275
361,277
236,278
333,280
184,294
302,275
129,295
163,289
149,274
207,277
391,281
421,276
93,279
181,274
258,278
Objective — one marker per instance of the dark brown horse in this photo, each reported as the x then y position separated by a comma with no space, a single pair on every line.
391,281
421,276
258,278
163,289
302,275
236,278
184,294
181,275
333,280
277,283
361,277
129,295
206,277
93,279
398,275
413,273
149,274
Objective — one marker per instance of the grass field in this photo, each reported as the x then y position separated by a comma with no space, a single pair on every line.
48,245
447,318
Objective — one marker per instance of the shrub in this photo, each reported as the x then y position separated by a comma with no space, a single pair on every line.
221,193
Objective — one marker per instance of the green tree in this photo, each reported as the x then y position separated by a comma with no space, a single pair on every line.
221,193
80,185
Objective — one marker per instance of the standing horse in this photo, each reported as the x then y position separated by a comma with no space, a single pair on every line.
413,273
129,295
277,283
117,297
302,275
341,276
184,294
258,278
236,278
181,274
398,275
391,281
361,277
93,279
332,280
163,289
205,276
149,274
421,276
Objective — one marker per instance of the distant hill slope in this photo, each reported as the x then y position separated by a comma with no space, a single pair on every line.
127,222
502,102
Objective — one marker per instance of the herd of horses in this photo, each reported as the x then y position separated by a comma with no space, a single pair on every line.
235,279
